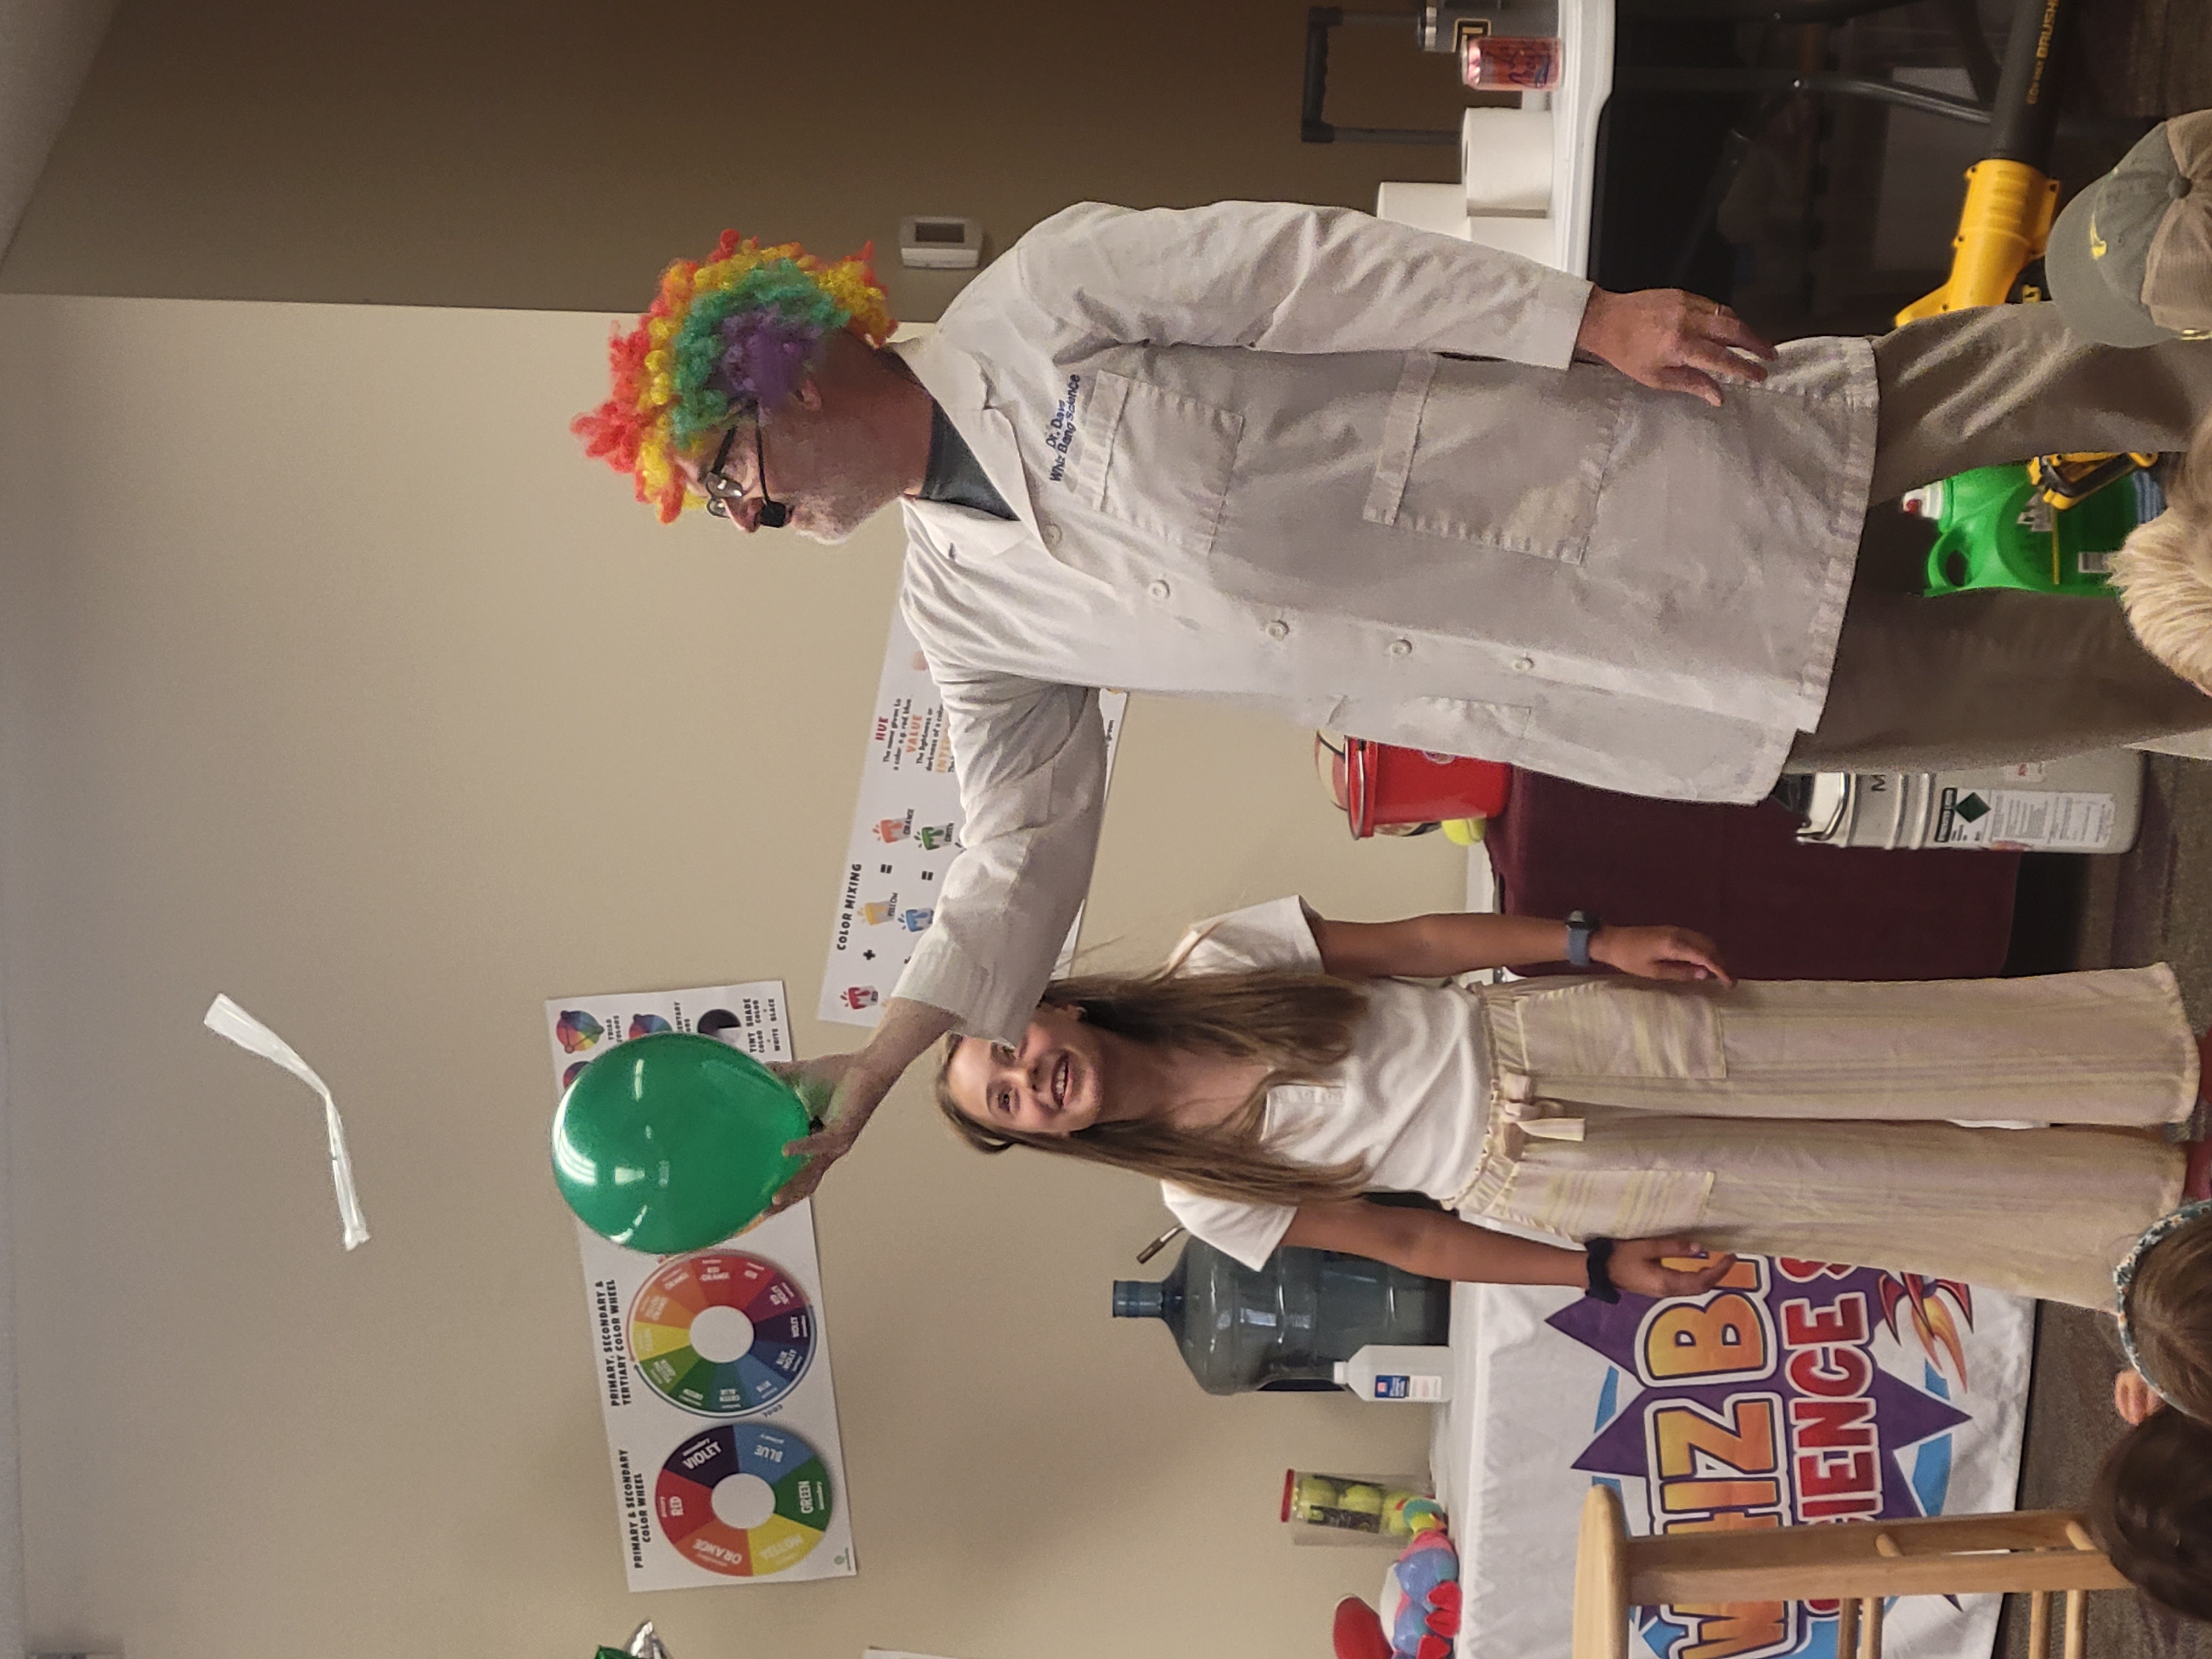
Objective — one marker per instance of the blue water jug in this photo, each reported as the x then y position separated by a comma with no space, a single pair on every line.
1286,1325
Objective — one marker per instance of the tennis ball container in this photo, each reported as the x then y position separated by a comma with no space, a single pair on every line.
2083,804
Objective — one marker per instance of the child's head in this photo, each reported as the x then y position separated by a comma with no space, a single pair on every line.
2151,1508
2165,1310
1058,1081
734,334
2163,572
1067,1088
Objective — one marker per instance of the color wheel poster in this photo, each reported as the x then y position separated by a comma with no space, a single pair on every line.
905,830
1793,1394
714,1366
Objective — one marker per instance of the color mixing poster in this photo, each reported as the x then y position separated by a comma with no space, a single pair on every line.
714,1366
905,830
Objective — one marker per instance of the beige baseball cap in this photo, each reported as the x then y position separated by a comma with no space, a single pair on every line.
2130,262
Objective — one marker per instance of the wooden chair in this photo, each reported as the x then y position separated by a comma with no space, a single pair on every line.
1856,1563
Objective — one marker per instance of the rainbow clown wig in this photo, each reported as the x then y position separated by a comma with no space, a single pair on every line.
737,330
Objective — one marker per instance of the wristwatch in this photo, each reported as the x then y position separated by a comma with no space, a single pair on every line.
1597,1269
1582,927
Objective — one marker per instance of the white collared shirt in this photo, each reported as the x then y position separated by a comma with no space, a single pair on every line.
1408,1104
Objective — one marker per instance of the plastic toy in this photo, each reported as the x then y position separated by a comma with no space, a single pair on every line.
2067,481
1420,1601
671,1142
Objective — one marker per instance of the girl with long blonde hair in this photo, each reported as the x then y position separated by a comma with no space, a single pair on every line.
1283,1065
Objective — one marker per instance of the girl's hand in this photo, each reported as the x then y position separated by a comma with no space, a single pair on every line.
1638,1265
1659,953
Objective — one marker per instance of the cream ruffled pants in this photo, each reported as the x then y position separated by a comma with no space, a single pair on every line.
1830,1119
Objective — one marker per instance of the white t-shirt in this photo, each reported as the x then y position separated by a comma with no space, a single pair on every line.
1410,1103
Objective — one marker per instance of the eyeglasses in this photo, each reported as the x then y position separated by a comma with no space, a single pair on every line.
724,493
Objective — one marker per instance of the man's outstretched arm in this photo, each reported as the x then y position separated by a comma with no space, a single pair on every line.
860,1081
1031,760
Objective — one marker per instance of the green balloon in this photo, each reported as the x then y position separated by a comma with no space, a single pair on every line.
671,1142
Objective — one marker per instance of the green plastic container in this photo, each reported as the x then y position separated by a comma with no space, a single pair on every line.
1993,531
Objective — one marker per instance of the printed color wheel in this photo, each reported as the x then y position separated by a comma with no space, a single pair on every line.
721,1332
744,1499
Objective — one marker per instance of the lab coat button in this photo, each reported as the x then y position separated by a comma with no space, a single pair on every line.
1522,665
1279,630
1051,534
1402,648
1160,590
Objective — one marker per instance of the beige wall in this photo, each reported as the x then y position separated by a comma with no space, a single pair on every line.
464,152
333,678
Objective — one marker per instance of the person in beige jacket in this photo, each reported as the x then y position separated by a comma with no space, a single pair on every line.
1425,492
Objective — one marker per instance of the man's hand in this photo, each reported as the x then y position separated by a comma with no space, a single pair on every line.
815,1080
1672,341
854,1095
1659,953
1638,1265
857,1084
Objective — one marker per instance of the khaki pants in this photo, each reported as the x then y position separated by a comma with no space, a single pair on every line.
1987,678
1818,1119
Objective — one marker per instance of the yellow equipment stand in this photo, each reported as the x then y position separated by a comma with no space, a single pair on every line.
2005,224
2010,200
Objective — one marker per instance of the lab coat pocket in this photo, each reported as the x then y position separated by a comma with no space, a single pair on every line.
1448,726
1468,453
1156,460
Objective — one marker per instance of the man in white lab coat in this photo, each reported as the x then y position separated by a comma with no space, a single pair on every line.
1429,493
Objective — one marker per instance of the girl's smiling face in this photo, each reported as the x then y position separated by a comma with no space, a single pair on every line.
1052,1085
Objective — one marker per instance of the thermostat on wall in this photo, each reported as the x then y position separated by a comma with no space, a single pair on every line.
940,244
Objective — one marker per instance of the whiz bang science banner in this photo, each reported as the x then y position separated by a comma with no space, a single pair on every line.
714,1366
1795,1392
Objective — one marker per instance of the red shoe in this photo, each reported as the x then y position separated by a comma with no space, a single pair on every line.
2196,1175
